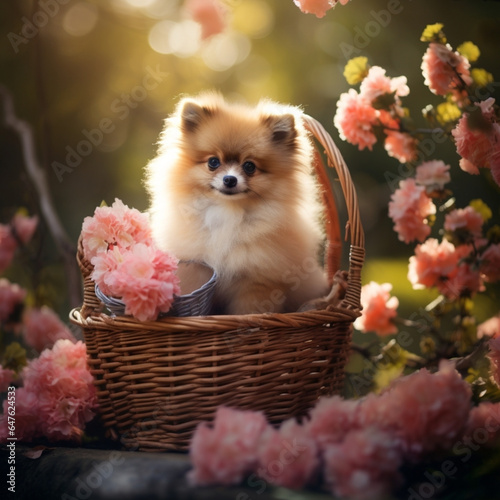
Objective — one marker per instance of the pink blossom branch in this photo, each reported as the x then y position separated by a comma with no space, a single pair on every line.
38,177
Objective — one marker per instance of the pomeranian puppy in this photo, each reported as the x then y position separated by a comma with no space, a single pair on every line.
232,186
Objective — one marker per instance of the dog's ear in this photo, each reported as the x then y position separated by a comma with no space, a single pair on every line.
282,128
192,114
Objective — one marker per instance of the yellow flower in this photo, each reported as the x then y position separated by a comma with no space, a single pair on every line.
481,77
482,209
356,70
433,33
469,50
447,112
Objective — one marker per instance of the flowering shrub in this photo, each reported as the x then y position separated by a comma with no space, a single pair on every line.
457,249
57,398
117,240
357,447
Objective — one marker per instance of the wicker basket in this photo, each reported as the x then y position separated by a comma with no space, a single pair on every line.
157,380
197,301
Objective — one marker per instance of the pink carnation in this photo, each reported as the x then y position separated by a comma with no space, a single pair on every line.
444,70
42,328
288,457
364,466
479,147
28,417
142,276
494,161
464,219
11,299
6,378
433,175
490,263
483,426
210,14
465,279
401,146
117,225
379,309
489,328
317,7
19,231
8,246
376,84
426,412
433,262
58,397
331,419
409,208
228,450
354,119
24,227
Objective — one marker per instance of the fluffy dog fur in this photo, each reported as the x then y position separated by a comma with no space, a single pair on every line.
232,186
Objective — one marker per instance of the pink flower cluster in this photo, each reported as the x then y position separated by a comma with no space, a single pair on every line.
57,398
357,447
466,220
424,412
433,174
11,299
490,263
117,225
127,265
489,328
210,14
447,267
378,309
479,143
360,115
317,7
18,232
42,328
459,264
409,208
7,376
142,276
445,71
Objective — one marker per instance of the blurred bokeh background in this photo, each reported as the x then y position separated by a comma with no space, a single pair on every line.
110,71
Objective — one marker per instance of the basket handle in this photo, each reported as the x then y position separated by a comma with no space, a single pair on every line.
354,228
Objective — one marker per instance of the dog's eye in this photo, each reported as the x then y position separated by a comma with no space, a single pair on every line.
249,167
213,163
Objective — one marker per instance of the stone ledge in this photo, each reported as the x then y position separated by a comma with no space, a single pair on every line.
64,473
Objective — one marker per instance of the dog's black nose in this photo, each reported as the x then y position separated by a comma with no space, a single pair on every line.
230,181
